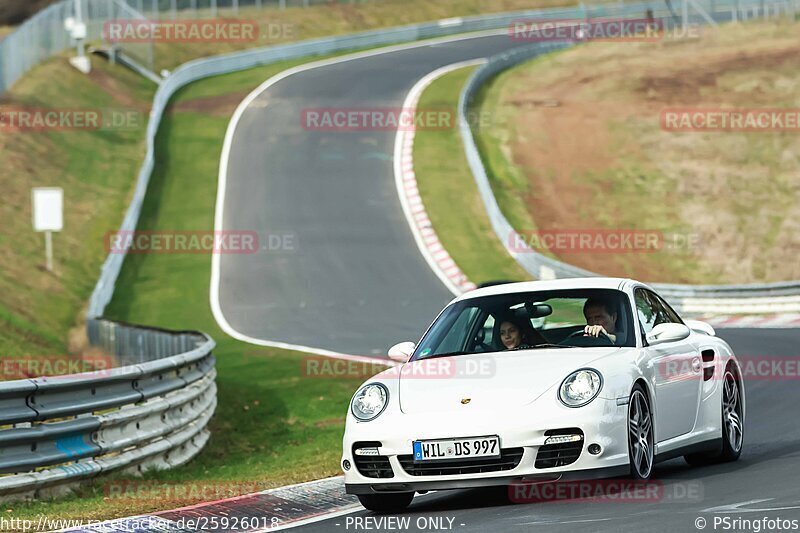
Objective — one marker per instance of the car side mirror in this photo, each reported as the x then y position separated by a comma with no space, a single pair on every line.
669,332
401,352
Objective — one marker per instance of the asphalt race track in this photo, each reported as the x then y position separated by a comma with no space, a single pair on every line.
352,279
355,282
767,475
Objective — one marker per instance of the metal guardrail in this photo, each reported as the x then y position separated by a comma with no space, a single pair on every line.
150,414
695,299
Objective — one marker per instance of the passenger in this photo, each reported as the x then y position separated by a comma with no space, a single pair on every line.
601,319
515,334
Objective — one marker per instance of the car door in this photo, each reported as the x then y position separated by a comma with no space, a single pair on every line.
678,370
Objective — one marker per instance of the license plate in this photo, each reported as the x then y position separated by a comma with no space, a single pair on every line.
431,450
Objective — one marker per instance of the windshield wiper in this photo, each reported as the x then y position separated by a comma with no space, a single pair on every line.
447,354
537,346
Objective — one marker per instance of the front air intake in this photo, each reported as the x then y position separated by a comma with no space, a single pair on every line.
369,463
565,450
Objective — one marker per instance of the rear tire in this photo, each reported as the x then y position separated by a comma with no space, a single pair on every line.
732,425
386,503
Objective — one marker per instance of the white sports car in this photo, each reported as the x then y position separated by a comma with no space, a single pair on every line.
543,381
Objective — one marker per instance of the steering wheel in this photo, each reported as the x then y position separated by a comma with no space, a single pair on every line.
586,341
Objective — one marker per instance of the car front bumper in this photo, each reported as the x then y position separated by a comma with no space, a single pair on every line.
602,422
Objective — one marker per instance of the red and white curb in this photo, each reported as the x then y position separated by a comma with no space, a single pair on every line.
406,180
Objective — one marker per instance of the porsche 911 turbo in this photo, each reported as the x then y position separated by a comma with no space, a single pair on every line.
543,381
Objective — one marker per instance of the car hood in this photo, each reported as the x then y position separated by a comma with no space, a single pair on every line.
488,381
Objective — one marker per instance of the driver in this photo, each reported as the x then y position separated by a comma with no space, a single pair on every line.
601,319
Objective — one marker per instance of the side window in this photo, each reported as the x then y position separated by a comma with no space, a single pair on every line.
645,310
668,311
652,311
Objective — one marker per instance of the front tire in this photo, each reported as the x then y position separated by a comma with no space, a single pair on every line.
386,503
640,434
732,425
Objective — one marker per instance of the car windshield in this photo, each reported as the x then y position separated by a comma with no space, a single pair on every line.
530,320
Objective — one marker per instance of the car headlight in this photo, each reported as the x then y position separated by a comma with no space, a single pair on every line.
369,401
580,387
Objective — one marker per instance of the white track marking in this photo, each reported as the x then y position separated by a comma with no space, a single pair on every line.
223,178
737,507
560,522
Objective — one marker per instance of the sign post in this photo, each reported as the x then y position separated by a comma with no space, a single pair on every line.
48,216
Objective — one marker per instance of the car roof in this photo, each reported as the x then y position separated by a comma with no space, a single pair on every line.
566,283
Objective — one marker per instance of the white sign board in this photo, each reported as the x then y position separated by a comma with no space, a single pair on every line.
48,208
